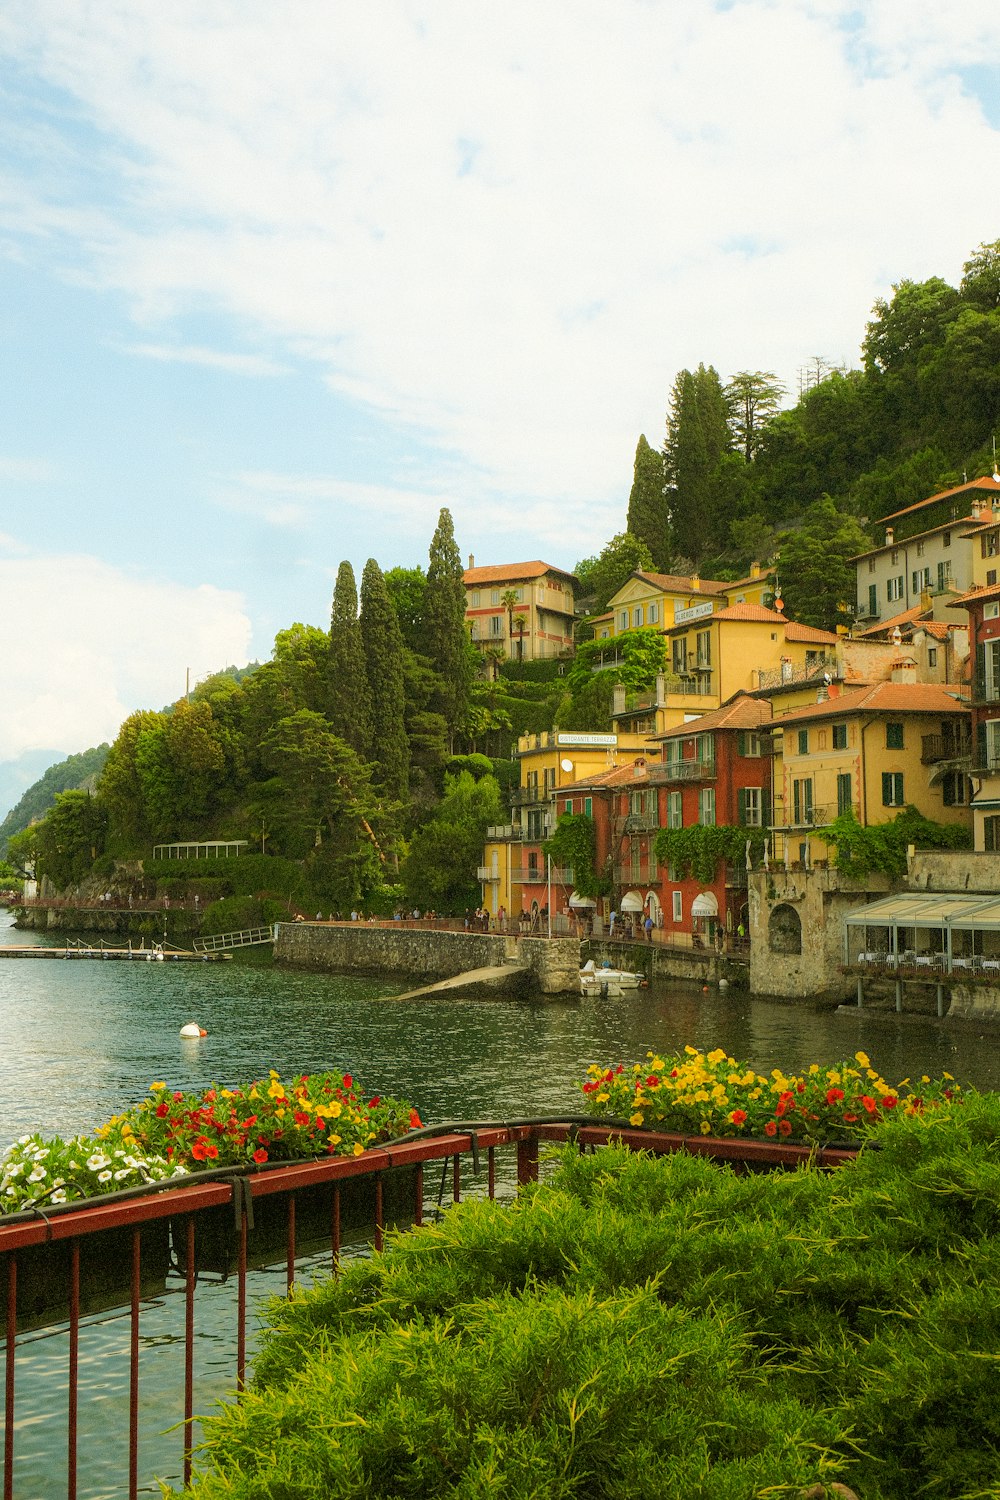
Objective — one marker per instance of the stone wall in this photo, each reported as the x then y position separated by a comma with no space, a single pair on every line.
426,955
959,870
797,930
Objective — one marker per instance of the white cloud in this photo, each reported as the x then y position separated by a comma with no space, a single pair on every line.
213,359
103,645
509,228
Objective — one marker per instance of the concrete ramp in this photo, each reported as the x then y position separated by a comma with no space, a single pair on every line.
504,979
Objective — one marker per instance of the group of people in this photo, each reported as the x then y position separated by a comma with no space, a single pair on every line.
625,927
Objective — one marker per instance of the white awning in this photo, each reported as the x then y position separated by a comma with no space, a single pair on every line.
632,902
705,904
577,900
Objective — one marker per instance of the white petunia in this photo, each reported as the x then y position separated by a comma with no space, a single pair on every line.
37,1174
104,1176
59,1196
97,1160
122,1173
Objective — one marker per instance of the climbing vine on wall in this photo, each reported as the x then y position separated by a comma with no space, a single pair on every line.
696,851
574,844
861,851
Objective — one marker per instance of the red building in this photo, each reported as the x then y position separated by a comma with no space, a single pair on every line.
714,770
983,605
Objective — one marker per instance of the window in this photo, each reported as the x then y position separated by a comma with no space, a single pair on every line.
943,575
750,806
706,807
748,743
873,599
921,579
991,611
932,656
871,565
475,599
894,588
494,596
845,793
637,615
991,835
920,549
678,906
989,545
675,810
636,861
840,736
803,741
946,539
496,627
623,620
955,789
654,868
988,671
894,737
568,804
894,558
678,656
653,613
802,800
704,648
892,789
991,577
588,807
992,744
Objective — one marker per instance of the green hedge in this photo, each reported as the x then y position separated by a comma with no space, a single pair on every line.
245,875
644,1327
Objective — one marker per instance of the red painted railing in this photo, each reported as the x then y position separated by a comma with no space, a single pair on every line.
184,1207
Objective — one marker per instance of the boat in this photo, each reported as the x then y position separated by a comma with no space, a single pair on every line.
608,981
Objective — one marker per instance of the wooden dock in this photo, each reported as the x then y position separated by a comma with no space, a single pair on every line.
147,955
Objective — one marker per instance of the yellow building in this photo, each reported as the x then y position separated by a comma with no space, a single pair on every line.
871,751
538,621
513,862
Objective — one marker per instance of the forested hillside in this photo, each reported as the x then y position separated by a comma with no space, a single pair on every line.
75,771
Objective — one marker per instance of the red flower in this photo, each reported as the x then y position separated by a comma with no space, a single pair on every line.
260,1155
211,1151
301,1118
162,1110
850,1119
415,1121
770,1128
834,1096
785,1126
781,1106
890,1101
653,1081
800,1087
869,1104
374,1103
348,1080
200,1149
739,1117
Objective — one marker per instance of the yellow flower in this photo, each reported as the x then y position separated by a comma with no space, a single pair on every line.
692,1051
705,1128
636,1119
950,1077
155,1086
359,1150
334,1139
274,1088
813,1069
861,1058
716,1057
602,1098
657,1065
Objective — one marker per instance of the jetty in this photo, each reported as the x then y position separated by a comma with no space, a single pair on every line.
157,954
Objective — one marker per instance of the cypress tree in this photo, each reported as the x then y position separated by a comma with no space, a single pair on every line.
648,513
383,646
349,697
698,444
446,640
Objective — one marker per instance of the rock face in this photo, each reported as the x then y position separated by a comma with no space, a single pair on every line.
552,963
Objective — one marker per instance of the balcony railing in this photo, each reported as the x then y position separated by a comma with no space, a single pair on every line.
487,875
524,796
788,672
688,770
539,874
810,817
644,822
690,687
937,747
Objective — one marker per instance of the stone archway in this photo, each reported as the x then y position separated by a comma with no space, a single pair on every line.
784,930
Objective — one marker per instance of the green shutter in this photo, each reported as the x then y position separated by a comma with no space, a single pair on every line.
765,807
741,803
741,743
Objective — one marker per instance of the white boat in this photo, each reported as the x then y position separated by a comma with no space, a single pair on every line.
608,981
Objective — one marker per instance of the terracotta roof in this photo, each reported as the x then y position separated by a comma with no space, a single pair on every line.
937,628
741,712
975,596
742,583
882,698
916,536
510,572
673,583
796,632
616,776
972,484
758,613
906,618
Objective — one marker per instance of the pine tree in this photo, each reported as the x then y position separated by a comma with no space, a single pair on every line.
383,647
446,640
695,456
350,701
648,512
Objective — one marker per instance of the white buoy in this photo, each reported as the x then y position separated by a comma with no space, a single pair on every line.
192,1029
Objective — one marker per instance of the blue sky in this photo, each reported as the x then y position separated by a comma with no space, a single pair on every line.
277,283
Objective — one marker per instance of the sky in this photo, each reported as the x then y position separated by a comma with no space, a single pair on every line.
278,282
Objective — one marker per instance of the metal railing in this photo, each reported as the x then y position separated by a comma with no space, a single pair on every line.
688,770
53,1244
937,747
247,937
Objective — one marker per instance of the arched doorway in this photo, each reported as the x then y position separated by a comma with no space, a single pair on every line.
784,930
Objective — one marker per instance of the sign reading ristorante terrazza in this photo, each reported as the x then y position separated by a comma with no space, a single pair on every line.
693,612
566,738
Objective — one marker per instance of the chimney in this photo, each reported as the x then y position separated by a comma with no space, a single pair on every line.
472,560
890,536
904,669
976,510
755,570
695,582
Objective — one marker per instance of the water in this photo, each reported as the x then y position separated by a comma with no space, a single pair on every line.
83,1039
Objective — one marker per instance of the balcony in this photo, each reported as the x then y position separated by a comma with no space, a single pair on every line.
938,747
540,875
644,822
628,874
486,875
689,770
530,796
810,817
692,686
788,673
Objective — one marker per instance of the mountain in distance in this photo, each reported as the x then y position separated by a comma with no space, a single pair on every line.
36,793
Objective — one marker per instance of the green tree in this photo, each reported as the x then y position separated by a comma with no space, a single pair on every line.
754,398
123,784
66,843
648,513
383,647
408,590
440,868
350,710
818,578
319,786
698,442
510,601
605,574
445,638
